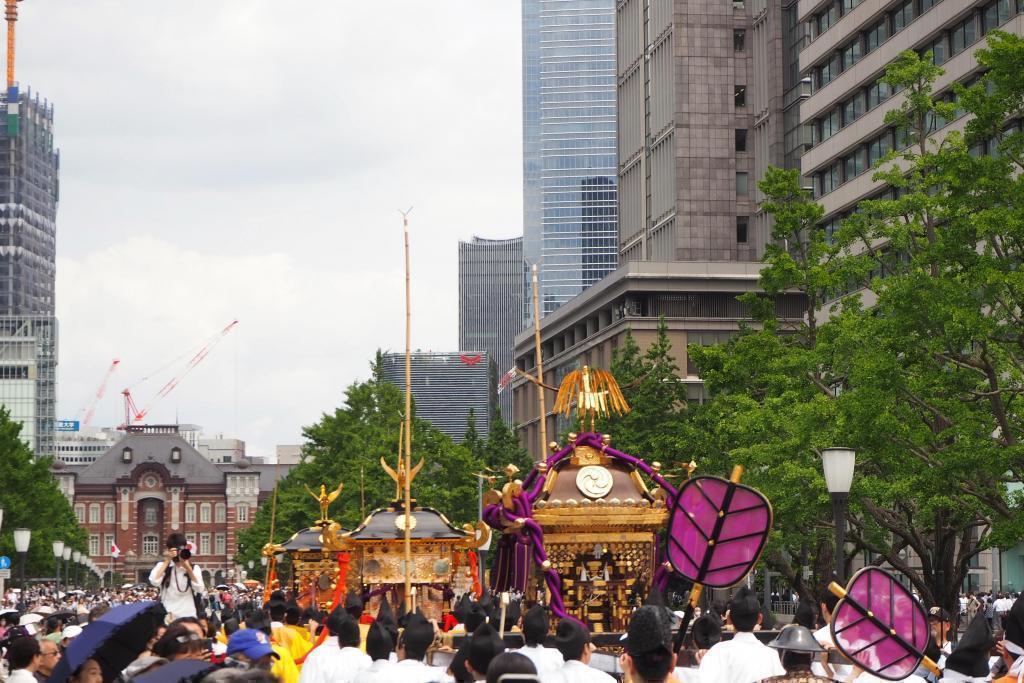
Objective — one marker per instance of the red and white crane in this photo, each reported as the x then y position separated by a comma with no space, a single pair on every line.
132,412
88,411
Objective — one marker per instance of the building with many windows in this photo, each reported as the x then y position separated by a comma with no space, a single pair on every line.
569,161
491,277
153,482
29,169
446,385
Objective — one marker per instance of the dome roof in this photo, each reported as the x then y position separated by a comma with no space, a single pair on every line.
243,463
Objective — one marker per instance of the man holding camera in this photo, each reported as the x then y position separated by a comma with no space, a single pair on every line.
178,579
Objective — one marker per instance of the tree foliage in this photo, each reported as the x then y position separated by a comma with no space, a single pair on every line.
346,446
922,373
30,499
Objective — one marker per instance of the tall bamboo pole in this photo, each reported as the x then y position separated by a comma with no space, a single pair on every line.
540,367
408,419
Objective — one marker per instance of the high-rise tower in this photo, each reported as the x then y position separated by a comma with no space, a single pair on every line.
29,190
570,215
491,302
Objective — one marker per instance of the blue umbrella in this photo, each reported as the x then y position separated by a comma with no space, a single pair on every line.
114,640
181,670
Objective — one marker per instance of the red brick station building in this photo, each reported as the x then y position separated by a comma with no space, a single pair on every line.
153,482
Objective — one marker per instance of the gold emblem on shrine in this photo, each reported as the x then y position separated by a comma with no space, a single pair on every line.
594,481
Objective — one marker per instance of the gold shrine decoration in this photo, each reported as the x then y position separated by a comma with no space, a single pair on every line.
596,394
325,499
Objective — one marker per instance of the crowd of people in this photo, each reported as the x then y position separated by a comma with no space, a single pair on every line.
229,635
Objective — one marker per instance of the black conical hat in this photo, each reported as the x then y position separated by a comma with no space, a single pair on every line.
1013,624
385,615
970,656
461,608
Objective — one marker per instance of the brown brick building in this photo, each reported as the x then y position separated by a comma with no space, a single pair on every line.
153,482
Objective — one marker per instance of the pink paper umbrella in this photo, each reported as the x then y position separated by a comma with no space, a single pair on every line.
717,530
880,625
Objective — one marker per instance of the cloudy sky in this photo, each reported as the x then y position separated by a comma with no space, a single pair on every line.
246,159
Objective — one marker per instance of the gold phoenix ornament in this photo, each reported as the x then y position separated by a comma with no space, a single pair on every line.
596,394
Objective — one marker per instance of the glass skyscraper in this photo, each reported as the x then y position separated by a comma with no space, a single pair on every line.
570,215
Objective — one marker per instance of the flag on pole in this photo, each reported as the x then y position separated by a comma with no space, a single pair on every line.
506,379
115,552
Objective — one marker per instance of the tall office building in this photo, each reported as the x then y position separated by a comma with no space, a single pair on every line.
445,386
700,119
570,210
29,168
491,302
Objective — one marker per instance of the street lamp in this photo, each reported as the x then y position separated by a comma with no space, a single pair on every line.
76,557
58,552
22,539
838,465
67,571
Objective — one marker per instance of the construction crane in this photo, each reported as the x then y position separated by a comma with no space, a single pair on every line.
87,412
132,412
11,14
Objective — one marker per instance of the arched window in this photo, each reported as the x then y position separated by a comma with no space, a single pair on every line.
204,513
242,512
150,544
220,513
149,511
94,513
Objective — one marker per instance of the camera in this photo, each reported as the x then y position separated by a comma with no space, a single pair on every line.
183,554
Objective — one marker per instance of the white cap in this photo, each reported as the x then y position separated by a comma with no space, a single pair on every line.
70,632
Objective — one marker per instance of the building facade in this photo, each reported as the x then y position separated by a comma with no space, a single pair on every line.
570,212
445,386
29,192
700,101
491,303
153,482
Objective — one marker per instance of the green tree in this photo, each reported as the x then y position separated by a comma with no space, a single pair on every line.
651,384
346,446
923,382
30,499
503,448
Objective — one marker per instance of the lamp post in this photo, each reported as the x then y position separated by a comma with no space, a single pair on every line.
67,571
21,541
58,552
838,465
76,557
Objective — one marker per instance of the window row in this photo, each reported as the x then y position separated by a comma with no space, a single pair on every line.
848,111
963,35
898,18
867,41
858,161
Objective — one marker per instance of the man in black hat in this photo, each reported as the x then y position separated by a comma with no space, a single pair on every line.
535,625
338,659
484,646
799,648
969,659
379,647
1012,646
648,657
413,644
743,659
573,641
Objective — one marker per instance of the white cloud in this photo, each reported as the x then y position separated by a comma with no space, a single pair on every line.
240,158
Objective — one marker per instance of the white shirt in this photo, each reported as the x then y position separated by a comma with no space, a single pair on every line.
687,674
330,663
839,671
178,597
413,671
21,676
377,672
744,659
547,659
575,671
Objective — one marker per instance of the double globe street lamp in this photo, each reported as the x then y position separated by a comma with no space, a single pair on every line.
838,465
58,553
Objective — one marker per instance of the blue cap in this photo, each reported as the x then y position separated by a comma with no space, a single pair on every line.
251,643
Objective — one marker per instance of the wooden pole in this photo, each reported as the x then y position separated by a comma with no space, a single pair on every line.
408,420
540,368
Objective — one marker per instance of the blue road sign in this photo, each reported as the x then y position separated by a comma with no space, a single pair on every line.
67,425
5,562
